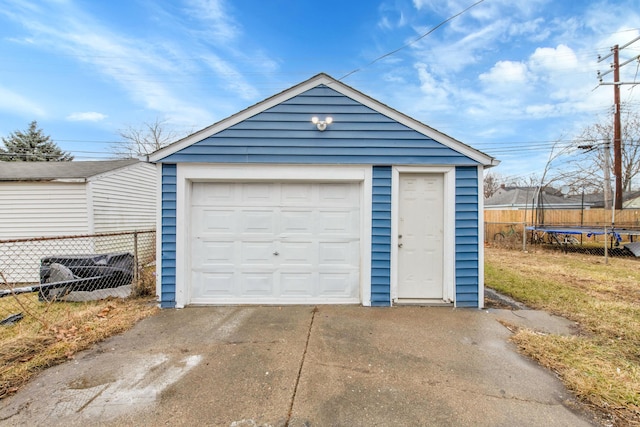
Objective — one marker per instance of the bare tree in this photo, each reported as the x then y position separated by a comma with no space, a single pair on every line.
144,140
554,171
531,180
493,181
491,184
586,169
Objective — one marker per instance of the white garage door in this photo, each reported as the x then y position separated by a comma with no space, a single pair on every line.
257,242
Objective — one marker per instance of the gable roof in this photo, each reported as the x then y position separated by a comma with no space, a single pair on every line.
629,199
508,197
52,171
318,80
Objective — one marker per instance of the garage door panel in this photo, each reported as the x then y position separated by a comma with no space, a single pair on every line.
297,253
337,222
296,222
297,284
336,253
275,243
213,253
337,284
221,194
338,195
216,284
298,194
258,194
253,253
255,221
215,221
258,283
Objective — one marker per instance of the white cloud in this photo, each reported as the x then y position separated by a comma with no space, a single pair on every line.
506,73
455,54
392,16
534,29
419,4
541,110
15,103
436,5
88,116
128,62
236,81
221,24
431,88
548,59
384,23
509,70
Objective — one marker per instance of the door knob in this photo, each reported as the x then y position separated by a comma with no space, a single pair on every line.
399,245
276,253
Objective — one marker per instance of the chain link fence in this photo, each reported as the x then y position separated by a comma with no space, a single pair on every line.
620,242
36,273
59,295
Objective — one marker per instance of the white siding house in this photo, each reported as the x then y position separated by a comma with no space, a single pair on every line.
39,199
52,199
38,209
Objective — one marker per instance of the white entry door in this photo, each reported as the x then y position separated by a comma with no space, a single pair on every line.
421,236
275,242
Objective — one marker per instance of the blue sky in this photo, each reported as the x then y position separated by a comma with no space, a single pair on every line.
506,77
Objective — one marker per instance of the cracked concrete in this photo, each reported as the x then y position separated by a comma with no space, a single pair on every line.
521,316
300,366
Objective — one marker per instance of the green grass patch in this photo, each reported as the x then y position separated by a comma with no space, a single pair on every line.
602,364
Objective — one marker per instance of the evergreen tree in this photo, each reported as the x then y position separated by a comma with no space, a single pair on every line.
32,146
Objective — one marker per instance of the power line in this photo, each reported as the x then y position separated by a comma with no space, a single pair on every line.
617,126
412,41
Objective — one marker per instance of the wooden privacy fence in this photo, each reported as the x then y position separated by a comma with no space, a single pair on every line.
566,217
512,223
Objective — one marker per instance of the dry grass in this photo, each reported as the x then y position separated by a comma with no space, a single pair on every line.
52,333
601,365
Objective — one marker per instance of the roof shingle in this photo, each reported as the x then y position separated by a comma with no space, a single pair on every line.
49,171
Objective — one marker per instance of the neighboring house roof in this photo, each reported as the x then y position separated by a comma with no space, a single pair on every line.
522,197
630,199
318,80
52,171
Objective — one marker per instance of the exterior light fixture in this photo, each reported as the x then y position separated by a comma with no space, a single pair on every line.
321,124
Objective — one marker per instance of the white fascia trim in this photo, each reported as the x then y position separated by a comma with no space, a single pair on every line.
67,180
365,236
118,170
262,172
414,124
240,116
342,88
91,224
480,240
159,232
448,271
189,173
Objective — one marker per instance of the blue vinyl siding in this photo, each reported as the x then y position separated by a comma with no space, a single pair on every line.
467,256
381,237
359,135
284,134
168,236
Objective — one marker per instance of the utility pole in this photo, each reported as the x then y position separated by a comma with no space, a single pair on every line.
617,126
606,171
617,130
607,177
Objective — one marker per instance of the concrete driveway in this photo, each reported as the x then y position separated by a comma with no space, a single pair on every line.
300,366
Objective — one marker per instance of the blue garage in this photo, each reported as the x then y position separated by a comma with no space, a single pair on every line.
320,195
